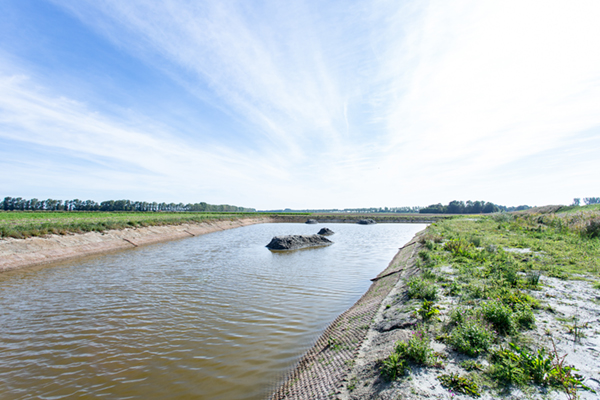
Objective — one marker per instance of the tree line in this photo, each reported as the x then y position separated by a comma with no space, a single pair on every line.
21,204
586,200
470,207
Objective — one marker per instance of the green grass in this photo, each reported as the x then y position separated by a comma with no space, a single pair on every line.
416,350
496,262
22,224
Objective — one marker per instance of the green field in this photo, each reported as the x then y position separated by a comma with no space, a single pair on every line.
22,224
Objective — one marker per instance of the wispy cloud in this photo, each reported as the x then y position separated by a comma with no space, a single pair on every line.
373,102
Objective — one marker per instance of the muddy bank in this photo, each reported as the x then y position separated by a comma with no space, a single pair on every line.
21,253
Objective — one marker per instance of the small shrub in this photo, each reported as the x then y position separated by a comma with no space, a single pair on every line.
517,299
453,289
425,255
592,229
459,315
525,318
459,248
537,366
429,244
393,367
429,275
471,337
506,367
533,278
460,384
428,310
471,365
421,289
499,315
476,241
511,276
490,248
417,349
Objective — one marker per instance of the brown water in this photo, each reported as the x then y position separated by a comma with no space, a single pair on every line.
217,316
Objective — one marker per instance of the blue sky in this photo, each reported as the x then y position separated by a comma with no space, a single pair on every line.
300,104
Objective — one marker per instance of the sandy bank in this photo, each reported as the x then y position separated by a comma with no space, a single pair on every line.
20,253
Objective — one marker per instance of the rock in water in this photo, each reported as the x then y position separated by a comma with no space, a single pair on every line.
326,232
294,242
367,221
311,221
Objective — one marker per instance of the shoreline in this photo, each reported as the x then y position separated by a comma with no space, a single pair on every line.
34,251
323,371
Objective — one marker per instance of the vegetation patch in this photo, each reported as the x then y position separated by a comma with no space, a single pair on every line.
419,288
460,384
477,295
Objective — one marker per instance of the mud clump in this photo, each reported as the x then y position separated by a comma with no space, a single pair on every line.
325,232
295,242
367,221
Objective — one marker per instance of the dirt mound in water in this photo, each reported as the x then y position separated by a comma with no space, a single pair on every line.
367,221
311,221
326,232
295,242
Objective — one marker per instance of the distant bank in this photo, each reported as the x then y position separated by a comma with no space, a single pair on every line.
42,238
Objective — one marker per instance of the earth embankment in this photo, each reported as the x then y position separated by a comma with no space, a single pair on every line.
21,253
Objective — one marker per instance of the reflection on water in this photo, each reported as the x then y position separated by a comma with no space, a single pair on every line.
217,316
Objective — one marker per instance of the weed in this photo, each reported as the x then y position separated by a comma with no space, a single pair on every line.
460,248
511,276
429,275
576,329
475,241
596,285
421,289
425,255
417,349
506,367
593,228
471,365
460,384
427,310
334,344
459,315
393,366
525,318
453,289
352,383
499,315
533,278
471,337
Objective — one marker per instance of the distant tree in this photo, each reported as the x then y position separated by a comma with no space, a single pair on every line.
490,208
576,201
456,207
591,200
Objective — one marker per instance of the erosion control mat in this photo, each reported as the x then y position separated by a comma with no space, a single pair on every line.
323,369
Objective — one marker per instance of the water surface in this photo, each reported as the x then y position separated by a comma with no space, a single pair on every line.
217,316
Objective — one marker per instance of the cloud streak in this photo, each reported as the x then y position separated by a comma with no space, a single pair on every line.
418,102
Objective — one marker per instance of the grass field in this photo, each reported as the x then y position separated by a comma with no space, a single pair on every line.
22,224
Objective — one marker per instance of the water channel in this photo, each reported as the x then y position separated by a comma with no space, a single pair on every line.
216,316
